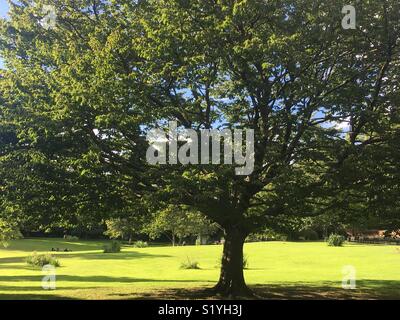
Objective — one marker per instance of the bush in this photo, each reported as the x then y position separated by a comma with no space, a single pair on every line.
40,260
113,247
189,264
140,244
309,234
70,238
335,240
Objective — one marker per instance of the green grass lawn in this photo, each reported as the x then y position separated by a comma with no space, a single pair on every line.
276,270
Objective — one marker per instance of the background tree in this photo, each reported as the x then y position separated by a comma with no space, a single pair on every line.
8,231
179,222
126,226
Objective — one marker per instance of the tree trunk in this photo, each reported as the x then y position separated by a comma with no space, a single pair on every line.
231,282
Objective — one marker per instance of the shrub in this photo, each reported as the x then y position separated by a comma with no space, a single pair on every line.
189,264
335,240
309,234
113,247
140,244
70,238
40,260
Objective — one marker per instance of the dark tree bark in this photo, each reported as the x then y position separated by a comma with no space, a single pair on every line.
231,282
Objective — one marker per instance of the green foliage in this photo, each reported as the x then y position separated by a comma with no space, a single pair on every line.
40,260
140,244
116,228
335,240
112,247
124,228
8,231
189,264
180,222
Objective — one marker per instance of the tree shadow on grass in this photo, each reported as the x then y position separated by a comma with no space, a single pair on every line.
33,296
8,260
44,245
94,279
112,256
366,289
39,288
17,291
88,255
14,263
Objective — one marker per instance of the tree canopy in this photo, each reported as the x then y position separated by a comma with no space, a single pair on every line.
78,99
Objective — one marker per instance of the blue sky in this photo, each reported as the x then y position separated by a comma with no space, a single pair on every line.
3,14
3,8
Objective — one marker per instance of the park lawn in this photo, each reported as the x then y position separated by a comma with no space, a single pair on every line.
278,270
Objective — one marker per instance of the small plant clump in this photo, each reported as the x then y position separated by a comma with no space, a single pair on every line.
40,260
189,264
113,247
140,244
335,240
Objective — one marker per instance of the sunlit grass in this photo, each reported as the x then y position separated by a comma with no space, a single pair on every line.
275,269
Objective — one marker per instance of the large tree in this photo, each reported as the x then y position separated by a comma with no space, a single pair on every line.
111,70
